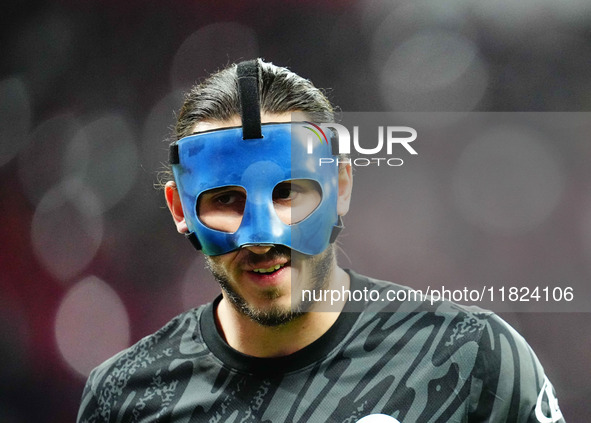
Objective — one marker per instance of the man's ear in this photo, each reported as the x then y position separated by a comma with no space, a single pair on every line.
345,188
173,200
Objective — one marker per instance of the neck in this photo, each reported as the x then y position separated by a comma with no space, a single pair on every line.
254,339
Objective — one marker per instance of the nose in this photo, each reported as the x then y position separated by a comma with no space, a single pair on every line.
258,249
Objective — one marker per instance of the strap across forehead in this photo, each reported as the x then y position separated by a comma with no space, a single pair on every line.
248,85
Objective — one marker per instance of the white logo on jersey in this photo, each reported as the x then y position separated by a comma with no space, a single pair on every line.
378,418
555,413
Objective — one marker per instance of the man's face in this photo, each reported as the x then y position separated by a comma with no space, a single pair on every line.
260,281
264,283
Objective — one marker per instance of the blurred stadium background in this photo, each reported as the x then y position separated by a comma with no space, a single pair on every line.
89,258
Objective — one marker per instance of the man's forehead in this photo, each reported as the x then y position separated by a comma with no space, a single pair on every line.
210,125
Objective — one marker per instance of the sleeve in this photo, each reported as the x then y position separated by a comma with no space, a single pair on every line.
508,381
89,407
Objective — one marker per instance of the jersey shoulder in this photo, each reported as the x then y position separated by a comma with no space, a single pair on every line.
152,361
507,381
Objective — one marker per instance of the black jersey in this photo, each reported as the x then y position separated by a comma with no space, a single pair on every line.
411,360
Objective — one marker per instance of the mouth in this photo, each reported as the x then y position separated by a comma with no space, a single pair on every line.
270,273
271,269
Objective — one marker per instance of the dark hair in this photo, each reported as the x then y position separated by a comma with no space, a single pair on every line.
217,99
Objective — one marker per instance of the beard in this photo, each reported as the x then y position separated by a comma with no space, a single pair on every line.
320,269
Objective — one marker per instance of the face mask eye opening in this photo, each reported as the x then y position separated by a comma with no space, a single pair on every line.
294,200
222,208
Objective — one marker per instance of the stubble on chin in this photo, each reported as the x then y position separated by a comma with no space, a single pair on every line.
319,267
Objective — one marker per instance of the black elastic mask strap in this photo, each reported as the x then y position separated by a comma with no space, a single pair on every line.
193,239
336,230
248,85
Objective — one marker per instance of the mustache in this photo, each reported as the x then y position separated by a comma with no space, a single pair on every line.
276,252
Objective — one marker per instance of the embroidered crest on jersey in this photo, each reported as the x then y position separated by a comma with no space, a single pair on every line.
469,324
378,418
547,396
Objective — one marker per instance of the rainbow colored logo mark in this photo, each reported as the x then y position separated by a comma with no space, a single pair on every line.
316,132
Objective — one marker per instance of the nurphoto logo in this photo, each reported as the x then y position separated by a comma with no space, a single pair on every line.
316,131
388,142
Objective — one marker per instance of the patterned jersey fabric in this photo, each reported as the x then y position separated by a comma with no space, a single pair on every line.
411,360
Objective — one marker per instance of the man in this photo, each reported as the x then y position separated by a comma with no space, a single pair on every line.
247,192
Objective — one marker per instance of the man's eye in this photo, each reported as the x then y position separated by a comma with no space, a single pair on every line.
284,192
294,200
227,198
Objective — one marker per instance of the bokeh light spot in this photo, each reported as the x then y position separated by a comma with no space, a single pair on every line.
210,47
67,229
91,325
434,70
506,181
103,155
15,117
154,149
40,166
44,47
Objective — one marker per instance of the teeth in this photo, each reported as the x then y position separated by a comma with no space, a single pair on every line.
269,270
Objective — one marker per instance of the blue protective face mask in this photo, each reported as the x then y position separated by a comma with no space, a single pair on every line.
221,160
